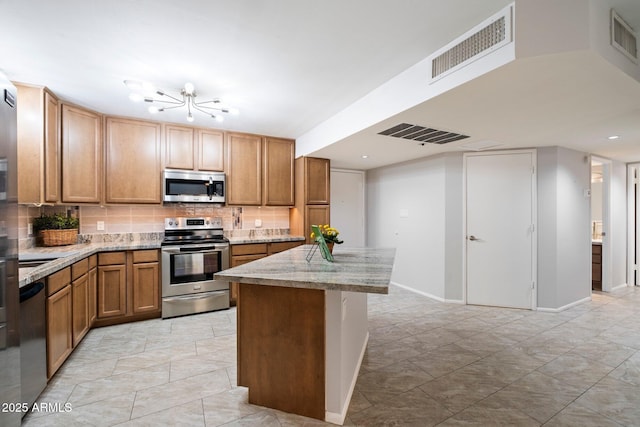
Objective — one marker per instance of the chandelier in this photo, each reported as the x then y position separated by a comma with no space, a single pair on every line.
163,101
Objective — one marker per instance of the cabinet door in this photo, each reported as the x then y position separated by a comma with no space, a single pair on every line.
278,172
317,185
92,302
112,291
210,155
51,149
80,304
244,172
315,215
81,155
133,161
146,287
236,261
59,329
178,147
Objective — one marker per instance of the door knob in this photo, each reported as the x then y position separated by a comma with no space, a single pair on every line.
472,237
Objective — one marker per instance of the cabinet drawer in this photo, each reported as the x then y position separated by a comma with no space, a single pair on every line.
596,249
282,246
79,268
243,259
150,255
93,261
58,280
249,249
112,258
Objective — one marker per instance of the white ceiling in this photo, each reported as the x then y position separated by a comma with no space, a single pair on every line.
289,65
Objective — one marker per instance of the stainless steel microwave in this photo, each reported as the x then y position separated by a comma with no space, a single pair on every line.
193,187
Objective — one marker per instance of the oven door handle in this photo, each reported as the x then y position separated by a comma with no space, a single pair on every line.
193,249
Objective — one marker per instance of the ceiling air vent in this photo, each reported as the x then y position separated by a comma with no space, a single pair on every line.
623,37
483,39
422,134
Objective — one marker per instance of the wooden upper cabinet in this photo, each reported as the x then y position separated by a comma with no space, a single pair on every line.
133,161
38,119
193,148
278,172
210,152
316,181
179,150
52,148
81,155
244,171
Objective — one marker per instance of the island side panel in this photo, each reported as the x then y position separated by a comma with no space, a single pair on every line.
281,348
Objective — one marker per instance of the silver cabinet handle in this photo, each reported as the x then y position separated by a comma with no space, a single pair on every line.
472,237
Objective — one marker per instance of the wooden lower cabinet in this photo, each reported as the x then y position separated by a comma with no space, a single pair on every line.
93,289
128,286
112,284
145,283
244,253
59,320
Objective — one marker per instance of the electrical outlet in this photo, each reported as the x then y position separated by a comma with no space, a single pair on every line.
100,225
30,228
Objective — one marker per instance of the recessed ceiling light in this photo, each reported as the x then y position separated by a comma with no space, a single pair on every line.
612,137
364,156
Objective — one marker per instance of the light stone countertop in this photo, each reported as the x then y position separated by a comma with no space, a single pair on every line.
264,239
59,257
354,270
67,255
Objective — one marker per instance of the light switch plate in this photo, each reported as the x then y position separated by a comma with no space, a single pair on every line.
258,223
100,225
30,228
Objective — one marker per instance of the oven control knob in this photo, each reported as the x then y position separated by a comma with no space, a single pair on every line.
207,222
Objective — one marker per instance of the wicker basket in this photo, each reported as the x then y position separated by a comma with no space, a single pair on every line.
59,237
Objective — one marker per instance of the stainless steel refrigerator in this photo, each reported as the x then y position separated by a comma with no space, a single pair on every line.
10,390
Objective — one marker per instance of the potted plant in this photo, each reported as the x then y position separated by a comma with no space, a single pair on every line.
330,235
57,229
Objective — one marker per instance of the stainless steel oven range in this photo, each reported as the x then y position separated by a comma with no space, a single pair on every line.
193,250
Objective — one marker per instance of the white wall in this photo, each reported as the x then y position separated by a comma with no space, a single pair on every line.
596,201
618,236
564,232
417,207
406,210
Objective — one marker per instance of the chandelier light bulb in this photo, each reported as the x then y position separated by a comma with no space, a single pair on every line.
190,118
153,109
136,97
188,88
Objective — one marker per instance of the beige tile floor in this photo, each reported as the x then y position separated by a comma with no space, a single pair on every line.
427,363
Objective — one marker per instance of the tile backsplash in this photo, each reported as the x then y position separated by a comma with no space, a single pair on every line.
148,219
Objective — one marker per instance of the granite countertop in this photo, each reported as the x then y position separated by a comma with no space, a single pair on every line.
58,257
354,270
64,256
238,240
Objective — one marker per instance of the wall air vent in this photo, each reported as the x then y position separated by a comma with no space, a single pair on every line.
623,37
482,40
422,134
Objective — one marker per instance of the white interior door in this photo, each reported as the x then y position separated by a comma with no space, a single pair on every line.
500,228
347,206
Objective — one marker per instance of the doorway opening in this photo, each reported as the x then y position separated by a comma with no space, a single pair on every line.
600,224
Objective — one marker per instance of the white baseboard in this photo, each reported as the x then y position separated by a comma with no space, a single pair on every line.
335,418
426,294
564,307
623,285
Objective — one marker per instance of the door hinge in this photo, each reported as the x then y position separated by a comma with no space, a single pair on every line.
533,286
533,170
533,228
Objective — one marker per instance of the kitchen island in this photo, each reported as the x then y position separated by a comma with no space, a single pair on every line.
302,327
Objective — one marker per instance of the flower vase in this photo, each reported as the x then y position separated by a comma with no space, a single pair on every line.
330,246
